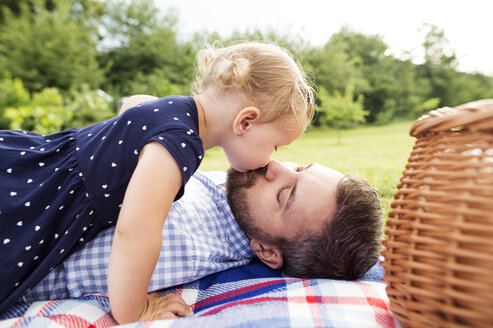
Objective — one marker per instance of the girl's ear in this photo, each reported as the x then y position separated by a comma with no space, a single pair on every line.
244,119
269,254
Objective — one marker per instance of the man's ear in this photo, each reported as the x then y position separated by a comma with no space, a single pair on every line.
269,254
244,119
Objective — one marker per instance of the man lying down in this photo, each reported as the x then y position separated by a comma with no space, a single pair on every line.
308,220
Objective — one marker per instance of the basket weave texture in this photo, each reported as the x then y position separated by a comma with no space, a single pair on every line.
439,245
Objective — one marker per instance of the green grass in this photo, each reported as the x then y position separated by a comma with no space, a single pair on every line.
378,153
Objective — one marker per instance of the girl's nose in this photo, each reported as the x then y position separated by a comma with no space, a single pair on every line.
276,169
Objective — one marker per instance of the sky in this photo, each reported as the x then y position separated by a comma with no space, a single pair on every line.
468,24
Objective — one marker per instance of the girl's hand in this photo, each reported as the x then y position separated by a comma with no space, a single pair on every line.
169,306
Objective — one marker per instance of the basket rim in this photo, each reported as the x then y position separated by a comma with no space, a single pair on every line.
471,115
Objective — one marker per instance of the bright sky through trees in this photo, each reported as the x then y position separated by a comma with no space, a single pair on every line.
467,24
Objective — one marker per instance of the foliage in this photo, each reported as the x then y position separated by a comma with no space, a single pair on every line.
85,11
430,104
452,87
156,84
437,49
45,114
12,94
88,107
146,47
396,90
48,48
391,87
340,110
334,69
465,87
48,113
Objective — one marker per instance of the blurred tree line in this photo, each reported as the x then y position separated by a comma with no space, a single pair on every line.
57,57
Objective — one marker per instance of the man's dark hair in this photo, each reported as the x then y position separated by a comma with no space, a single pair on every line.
349,243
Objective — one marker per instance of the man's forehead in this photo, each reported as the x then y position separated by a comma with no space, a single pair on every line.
321,169
290,164
317,192
331,174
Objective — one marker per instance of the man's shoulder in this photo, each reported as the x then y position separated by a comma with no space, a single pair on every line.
217,178
203,191
210,182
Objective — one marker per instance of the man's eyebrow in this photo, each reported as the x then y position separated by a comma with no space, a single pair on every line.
310,165
292,195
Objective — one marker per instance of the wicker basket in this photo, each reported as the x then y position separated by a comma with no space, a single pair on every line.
439,246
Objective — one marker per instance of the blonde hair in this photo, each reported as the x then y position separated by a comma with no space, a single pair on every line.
267,73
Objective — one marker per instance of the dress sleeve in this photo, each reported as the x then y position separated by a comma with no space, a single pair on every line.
186,148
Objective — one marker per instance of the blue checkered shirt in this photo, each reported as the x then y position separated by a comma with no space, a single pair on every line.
200,237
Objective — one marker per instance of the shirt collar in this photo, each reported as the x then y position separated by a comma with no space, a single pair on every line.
213,182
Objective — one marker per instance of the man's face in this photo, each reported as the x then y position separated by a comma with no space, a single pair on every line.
283,199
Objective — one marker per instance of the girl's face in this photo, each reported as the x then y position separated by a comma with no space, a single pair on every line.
254,148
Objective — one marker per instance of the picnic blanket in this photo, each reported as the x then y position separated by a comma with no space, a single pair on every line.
249,296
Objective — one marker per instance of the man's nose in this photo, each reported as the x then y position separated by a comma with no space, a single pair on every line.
276,169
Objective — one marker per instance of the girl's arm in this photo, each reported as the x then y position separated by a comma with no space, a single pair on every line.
134,101
137,240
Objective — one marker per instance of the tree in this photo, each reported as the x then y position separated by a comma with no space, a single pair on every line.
86,10
396,90
440,63
352,58
12,6
340,110
370,49
437,48
48,48
465,87
447,84
144,44
335,69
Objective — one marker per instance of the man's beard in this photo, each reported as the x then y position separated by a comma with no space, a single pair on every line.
237,184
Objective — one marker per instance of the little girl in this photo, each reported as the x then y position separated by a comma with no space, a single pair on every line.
58,191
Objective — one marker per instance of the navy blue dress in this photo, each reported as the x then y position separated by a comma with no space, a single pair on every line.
58,191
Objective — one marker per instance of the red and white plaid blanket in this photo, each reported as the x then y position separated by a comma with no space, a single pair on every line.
249,296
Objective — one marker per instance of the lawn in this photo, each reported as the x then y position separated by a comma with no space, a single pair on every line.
378,153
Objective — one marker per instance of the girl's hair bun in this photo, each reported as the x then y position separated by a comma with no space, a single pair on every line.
222,67
233,72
